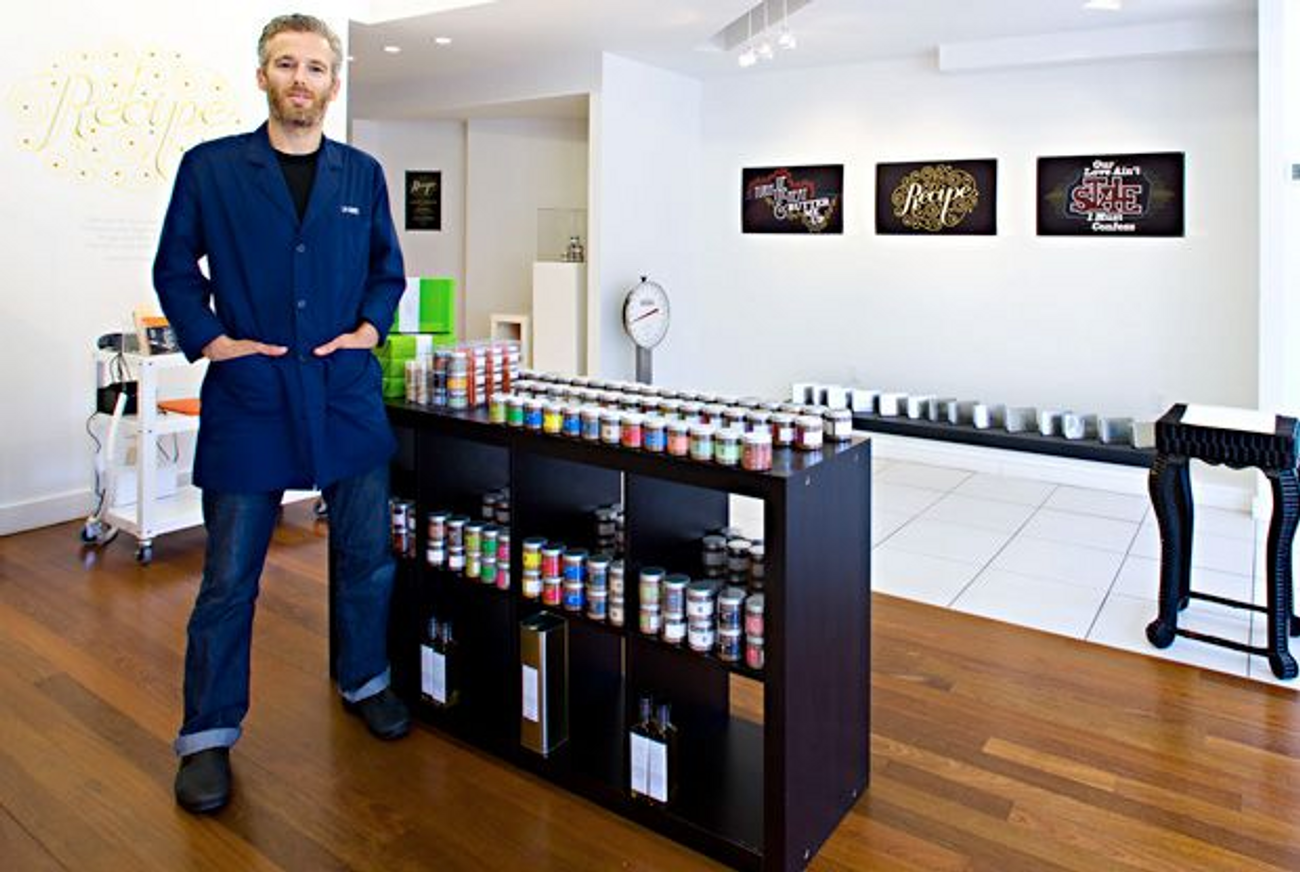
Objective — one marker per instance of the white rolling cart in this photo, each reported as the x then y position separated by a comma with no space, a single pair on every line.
159,506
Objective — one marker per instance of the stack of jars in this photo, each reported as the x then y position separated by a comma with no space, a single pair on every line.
402,520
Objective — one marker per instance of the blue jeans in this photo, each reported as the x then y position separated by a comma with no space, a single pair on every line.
221,626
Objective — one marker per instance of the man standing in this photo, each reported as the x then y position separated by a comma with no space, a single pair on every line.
302,278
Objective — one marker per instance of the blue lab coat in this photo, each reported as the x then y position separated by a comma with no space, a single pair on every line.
298,420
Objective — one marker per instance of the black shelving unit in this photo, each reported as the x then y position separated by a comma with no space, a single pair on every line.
755,796
1033,442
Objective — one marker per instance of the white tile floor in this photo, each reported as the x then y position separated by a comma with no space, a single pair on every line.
1067,560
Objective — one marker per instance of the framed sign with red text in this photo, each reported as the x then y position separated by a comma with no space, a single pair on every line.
792,199
1111,195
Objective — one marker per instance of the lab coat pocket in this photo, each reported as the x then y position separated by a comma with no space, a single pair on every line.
349,372
248,384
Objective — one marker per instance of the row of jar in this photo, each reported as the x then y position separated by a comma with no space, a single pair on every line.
707,617
749,414
749,448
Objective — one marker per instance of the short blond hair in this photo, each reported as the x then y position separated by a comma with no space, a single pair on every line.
299,23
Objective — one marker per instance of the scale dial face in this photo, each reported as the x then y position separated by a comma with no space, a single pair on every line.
645,314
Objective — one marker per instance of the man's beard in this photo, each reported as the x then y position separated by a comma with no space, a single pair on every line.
283,110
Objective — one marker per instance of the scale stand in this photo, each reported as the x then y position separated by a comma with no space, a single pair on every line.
644,365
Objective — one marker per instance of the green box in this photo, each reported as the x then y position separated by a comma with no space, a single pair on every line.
438,305
394,388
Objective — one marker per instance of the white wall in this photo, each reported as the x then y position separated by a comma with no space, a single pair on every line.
646,170
79,240
514,166
424,145
1279,149
1115,326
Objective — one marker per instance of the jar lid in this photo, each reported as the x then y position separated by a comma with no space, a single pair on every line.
655,422
677,580
501,397
714,542
739,545
838,414
780,418
703,429
534,542
553,549
599,560
611,415
754,641
575,554
653,572
572,409
758,437
633,418
810,422
754,604
534,403
474,525
730,434
729,632
700,590
573,584
597,593
679,426
732,596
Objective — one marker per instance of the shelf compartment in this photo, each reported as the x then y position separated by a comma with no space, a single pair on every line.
721,766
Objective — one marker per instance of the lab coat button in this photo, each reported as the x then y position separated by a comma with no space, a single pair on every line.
302,304
301,248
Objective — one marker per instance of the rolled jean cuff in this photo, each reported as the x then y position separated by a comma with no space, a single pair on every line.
367,690
222,737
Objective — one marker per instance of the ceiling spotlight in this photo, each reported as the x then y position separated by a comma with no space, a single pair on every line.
748,58
786,40
393,49
765,50
442,40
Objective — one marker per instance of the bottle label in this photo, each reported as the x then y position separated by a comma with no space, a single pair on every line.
640,764
433,674
657,771
531,694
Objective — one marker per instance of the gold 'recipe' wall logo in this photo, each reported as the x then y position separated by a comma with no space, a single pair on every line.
120,116
935,197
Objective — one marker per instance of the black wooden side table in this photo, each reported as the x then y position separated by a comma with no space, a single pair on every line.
1185,433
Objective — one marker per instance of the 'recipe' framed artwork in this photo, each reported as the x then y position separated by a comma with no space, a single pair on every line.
937,198
792,199
1111,195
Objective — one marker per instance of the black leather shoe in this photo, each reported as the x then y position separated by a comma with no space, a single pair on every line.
203,780
386,716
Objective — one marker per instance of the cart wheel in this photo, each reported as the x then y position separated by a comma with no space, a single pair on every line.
1283,666
1160,634
320,509
90,531
144,554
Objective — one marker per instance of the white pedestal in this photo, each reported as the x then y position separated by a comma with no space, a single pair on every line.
559,317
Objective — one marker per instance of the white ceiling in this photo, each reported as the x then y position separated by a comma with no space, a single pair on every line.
678,34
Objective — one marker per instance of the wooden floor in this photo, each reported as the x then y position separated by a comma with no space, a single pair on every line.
994,747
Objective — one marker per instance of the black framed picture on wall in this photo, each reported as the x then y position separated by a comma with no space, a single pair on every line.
806,199
954,197
423,199
1111,195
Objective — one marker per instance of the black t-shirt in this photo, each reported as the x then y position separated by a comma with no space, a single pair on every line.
299,174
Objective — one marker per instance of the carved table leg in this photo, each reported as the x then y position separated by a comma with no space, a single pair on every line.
1171,496
1281,532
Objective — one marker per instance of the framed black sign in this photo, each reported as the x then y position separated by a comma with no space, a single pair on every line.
423,199
937,197
1111,195
792,199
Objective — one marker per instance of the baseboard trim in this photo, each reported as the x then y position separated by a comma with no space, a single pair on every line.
46,511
